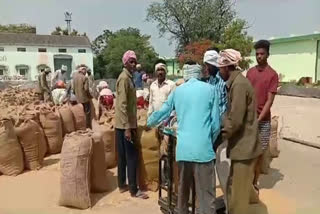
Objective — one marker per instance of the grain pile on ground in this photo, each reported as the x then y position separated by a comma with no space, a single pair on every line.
33,142
11,156
75,171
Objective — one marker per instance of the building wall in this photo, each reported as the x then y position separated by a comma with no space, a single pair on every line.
173,68
293,60
10,58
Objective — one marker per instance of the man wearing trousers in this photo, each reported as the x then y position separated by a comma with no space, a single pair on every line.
126,125
197,107
241,129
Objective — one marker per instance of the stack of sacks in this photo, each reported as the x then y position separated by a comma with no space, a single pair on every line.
83,169
106,129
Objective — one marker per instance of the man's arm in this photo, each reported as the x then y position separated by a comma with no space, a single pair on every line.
215,116
150,109
86,87
165,111
234,119
272,91
122,90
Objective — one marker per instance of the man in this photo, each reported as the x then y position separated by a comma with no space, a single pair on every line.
91,81
265,83
59,94
197,109
82,93
137,77
241,130
212,75
126,125
59,75
160,89
44,89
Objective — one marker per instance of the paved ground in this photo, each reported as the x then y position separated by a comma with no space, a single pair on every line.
292,187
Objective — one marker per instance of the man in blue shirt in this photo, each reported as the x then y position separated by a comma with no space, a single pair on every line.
137,77
197,107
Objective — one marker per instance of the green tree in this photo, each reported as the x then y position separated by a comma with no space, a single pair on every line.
19,28
101,42
117,44
59,31
188,21
236,37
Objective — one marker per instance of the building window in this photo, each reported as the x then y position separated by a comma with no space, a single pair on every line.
23,71
1,49
21,49
82,51
42,50
1,72
62,50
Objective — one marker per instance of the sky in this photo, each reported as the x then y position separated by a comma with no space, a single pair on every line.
266,18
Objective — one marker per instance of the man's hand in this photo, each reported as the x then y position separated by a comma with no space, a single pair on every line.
127,134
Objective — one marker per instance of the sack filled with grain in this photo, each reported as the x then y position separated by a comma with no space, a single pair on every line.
52,127
149,150
107,133
11,156
67,119
273,145
99,181
79,117
33,142
75,171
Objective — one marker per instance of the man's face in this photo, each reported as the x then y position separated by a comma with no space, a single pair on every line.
224,73
206,73
131,65
261,56
161,74
212,70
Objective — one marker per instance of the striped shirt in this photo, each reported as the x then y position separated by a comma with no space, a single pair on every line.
220,86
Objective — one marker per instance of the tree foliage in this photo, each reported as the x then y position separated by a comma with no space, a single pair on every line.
188,21
59,31
235,36
110,48
19,28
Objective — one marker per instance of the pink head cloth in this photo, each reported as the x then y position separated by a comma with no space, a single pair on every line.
128,55
229,57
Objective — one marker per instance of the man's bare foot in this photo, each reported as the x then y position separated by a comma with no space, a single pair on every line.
140,194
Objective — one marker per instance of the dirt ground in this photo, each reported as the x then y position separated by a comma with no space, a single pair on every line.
292,186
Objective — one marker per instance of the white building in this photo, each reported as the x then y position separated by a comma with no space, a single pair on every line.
22,55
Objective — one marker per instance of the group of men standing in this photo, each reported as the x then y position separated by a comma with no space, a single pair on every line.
77,91
215,104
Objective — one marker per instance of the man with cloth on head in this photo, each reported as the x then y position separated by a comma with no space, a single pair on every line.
240,128
197,107
82,93
60,74
161,88
44,90
126,125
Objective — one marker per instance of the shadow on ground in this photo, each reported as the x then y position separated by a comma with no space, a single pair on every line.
112,185
49,162
270,180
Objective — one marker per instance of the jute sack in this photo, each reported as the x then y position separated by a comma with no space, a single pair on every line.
11,156
51,124
33,142
67,119
149,151
75,171
273,145
79,117
99,181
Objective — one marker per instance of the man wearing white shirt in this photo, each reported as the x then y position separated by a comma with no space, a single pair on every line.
160,89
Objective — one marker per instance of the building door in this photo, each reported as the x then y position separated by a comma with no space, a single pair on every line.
60,60
318,62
